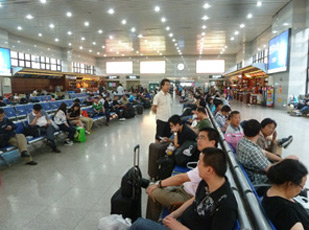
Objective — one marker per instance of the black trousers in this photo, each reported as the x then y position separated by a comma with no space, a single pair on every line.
163,129
71,130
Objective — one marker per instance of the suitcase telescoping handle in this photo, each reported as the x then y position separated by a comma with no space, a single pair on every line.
136,155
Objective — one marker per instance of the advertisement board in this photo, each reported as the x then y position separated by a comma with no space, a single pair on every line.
278,53
5,62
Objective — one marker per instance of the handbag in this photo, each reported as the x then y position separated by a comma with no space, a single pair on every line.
187,152
233,139
80,135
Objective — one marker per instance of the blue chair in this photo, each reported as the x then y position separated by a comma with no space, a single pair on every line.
20,127
53,105
29,108
21,110
46,106
10,112
179,169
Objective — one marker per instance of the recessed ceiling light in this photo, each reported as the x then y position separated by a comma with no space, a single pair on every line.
264,46
206,6
205,18
174,40
98,53
242,25
56,40
140,36
19,28
133,29
40,35
122,55
52,26
70,44
94,43
100,31
249,16
69,14
203,27
163,19
117,52
43,1
285,24
171,35
90,51
275,31
236,32
225,47
69,33
111,11
83,38
232,38
259,3
86,23
123,22
80,47
104,55
103,47
29,16
137,51
18,41
48,48
157,8
167,28
111,37
176,44
203,34
35,45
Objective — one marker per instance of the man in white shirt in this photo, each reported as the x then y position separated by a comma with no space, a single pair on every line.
120,89
161,194
162,108
234,126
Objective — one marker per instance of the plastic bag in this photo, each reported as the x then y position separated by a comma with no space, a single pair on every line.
114,222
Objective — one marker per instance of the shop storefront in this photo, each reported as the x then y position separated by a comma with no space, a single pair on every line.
112,82
250,85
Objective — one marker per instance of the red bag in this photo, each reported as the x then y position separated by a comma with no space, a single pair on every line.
233,139
85,114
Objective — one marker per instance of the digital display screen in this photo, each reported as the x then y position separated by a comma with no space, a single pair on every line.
210,66
5,62
278,53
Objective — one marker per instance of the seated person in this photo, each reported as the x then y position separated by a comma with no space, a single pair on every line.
60,119
213,206
305,109
268,143
181,132
101,99
133,99
234,126
116,106
40,121
202,120
210,103
218,104
73,116
288,178
124,100
89,100
251,156
8,136
87,120
2,104
99,109
160,192
221,117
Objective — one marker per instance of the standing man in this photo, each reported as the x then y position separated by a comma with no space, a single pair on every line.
120,89
162,108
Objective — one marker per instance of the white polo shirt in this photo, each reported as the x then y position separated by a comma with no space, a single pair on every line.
163,102
191,186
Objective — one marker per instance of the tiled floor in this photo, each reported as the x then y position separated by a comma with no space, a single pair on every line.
72,190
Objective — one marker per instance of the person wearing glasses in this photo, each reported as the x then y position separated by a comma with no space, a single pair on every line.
288,179
160,193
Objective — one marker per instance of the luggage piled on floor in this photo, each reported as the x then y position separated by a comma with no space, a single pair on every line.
128,111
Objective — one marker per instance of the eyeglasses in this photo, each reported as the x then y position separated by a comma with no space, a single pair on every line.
200,138
301,186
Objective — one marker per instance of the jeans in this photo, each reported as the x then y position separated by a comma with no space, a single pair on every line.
305,110
144,224
49,133
71,130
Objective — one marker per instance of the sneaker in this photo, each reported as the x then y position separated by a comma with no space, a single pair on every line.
122,119
285,142
25,154
68,143
31,163
87,132
56,150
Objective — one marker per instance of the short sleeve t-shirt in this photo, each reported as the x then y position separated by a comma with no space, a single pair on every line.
191,186
215,210
204,124
163,102
187,134
284,214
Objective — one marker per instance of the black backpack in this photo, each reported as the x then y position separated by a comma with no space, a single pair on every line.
188,152
128,111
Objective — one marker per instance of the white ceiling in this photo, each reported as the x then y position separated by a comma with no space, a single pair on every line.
184,17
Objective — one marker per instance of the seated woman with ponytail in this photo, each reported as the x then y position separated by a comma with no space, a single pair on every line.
288,178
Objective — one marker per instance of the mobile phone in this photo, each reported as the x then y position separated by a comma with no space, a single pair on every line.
161,138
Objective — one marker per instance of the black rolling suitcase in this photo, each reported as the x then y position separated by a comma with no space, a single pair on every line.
139,109
128,199
128,112
156,151
164,167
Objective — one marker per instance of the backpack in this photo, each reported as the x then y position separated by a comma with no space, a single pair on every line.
188,152
128,111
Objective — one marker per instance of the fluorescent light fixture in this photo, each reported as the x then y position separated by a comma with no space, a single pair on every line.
242,25
151,67
157,8
206,6
259,3
163,19
19,28
86,23
52,26
111,11
69,14
100,31
29,16
69,32
205,18
123,22
133,29
249,16
210,66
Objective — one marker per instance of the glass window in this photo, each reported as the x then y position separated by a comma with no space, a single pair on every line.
43,66
53,61
210,66
42,59
21,56
35,65
53,67
21,63
28,64
148,67
14,54
14,62
48,66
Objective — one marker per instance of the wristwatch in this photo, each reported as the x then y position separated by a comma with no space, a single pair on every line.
175,134
158,183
